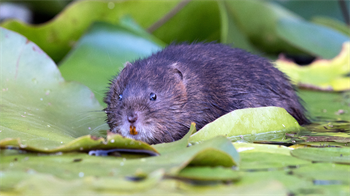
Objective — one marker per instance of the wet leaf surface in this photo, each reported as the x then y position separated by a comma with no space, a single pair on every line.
249,124
39,106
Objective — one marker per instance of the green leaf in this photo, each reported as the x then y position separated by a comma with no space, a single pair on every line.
266,157
262,148
37,105
320,109
334,24
197,21
249,124
259,28
230,32
266,161
101,53
40,184
176,145
208,173
59,35
292,183
306,36
325,171
310,9
336,155
19,166
84,144
321,74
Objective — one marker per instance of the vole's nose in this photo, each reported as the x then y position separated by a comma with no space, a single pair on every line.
132,117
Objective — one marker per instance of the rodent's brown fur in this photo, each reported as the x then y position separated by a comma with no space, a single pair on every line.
193,83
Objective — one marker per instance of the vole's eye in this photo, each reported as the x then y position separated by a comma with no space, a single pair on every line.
120,97
152,97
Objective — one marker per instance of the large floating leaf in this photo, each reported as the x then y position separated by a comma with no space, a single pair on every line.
101,53
85,143
320,109
325,172
217,152
249,125
266,157
43,184
307,36
208,173
37,105
321,74
58,35
337,155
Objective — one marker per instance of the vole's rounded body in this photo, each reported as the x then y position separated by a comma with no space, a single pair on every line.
161,95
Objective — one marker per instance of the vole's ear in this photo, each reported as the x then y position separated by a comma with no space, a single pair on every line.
127,63
177,71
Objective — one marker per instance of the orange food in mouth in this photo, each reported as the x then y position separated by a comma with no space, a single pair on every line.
133,130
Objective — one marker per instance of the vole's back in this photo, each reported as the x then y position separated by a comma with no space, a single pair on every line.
220,79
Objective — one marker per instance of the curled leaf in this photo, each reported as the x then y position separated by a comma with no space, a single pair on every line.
322,74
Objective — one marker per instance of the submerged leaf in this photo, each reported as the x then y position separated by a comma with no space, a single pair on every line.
249,124
322,74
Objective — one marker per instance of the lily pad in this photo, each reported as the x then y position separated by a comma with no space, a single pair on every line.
18,167
336,155
37,105
208,173
41,184
325,171
102,52
85,143
318,106
249,124
264,157
321,74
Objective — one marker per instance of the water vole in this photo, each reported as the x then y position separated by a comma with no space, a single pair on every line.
155,99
